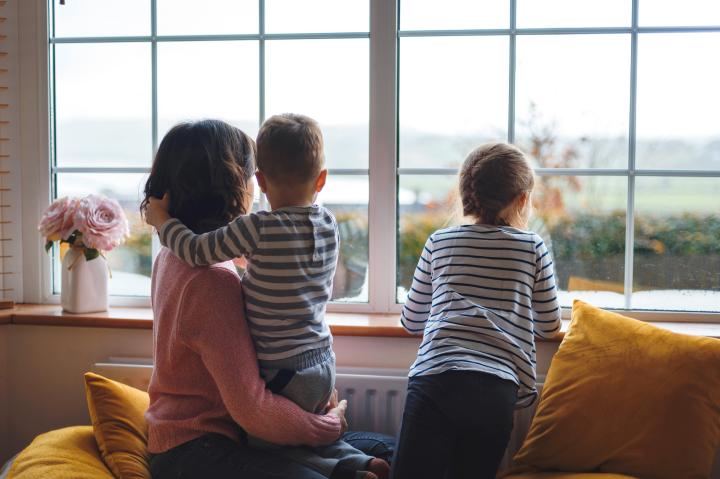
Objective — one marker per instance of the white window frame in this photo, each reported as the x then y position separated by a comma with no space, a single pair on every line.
384,38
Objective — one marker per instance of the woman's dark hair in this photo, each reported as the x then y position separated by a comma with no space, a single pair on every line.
205,166
491,177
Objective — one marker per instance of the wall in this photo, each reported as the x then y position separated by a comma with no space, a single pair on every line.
45,386
46,364
4,395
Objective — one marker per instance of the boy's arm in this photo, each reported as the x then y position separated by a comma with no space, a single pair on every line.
545,303
239,238
416,310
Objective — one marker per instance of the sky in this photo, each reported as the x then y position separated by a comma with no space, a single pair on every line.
447,85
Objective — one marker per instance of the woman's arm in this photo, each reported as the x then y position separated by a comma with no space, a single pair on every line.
213,324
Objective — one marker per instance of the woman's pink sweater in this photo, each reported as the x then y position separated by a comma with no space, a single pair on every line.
206,378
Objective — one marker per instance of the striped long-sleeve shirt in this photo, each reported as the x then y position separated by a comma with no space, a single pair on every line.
479,296
292,254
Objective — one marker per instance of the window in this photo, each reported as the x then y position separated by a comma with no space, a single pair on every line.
125,73
614,101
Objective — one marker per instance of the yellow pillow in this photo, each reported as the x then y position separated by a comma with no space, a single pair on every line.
69,453
117,412
626,397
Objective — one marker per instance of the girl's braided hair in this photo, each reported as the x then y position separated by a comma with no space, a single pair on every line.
491,177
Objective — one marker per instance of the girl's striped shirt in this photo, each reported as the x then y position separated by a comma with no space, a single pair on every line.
479,296
292,254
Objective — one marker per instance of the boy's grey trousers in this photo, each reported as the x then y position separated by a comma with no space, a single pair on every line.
308,380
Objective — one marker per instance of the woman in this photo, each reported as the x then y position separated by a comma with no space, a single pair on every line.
206,394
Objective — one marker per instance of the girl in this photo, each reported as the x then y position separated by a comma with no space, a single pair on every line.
480,294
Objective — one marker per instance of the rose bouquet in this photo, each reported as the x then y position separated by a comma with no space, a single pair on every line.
95,224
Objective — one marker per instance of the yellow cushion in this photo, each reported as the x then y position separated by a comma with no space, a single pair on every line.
626,397
69,453
117,412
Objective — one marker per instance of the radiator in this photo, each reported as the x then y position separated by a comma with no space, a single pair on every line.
375,396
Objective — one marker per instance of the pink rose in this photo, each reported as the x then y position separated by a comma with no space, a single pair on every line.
102,222
58,220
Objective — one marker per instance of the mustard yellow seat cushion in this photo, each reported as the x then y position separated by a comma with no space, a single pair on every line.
69,453
626,397
117,412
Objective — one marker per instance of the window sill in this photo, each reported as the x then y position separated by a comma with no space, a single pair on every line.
341,324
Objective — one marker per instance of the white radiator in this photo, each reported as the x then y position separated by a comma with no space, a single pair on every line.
375,396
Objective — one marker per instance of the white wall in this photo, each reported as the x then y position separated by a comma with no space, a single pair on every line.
45,386
45,369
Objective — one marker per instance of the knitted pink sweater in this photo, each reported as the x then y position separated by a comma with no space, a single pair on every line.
206,376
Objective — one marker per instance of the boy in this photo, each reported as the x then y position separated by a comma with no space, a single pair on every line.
292,253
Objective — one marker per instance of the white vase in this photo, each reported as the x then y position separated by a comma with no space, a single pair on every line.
84,287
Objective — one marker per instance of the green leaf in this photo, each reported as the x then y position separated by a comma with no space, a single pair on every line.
91,254
48,246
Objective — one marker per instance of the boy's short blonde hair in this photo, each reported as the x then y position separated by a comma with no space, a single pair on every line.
290,148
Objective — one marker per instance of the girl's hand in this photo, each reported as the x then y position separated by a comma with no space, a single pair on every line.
156,212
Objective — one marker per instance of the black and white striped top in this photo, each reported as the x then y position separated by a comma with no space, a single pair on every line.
292,254
479,296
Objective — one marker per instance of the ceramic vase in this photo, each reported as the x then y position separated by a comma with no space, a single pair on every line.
84,287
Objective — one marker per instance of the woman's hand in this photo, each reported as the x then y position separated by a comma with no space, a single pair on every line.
156,212
338,408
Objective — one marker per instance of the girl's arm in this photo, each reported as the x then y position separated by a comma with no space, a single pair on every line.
416,310
544,299
213,325
239,238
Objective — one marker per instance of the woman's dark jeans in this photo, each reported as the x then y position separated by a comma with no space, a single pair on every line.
456,425
218,457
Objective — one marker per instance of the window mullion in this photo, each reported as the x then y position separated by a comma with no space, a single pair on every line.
511,73
630,215
382,206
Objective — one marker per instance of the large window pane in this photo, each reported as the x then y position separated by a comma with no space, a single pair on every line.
678,101
582,219
674,13
677,251
426,203
453,97
130,263
316,16
454,14
347,198
208,17
327,80
222,83
102,18
103,104
572,100
572,13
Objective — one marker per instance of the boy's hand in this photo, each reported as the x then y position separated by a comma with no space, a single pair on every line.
156,212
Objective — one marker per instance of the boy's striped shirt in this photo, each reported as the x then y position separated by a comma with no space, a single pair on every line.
479,296
292,254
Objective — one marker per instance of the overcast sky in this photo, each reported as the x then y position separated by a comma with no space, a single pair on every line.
447,85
